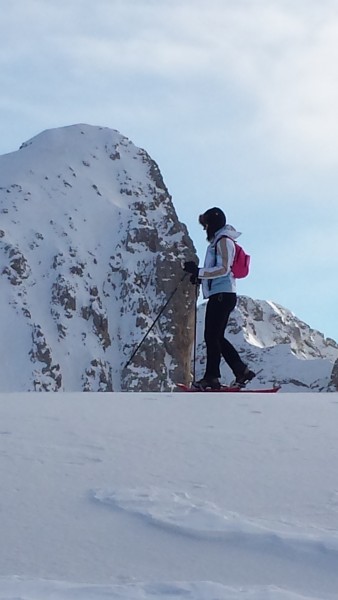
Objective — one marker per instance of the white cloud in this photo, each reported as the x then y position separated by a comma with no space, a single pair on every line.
276,57
281,57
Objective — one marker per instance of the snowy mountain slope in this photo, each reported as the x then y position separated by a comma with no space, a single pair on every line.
168,495
90,248
273,340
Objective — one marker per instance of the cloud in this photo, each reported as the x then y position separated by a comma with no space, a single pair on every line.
280,56
266,69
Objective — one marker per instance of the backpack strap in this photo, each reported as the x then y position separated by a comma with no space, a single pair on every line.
219,239
215,259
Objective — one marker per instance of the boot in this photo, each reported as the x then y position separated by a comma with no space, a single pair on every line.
244,378
207,383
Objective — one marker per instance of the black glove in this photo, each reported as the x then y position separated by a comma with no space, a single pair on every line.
194,280
191,267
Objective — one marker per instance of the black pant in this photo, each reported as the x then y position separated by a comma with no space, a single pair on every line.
217,314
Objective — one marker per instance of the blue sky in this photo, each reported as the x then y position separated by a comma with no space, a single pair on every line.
236,100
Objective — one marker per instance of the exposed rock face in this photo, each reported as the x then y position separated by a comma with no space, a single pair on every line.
268,323
334,377
46,375
91,248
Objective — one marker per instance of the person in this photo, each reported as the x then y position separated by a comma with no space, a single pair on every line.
219,287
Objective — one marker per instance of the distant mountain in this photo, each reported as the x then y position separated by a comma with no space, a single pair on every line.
90,251
272,339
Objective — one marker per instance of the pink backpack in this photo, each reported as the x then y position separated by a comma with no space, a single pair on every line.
241,265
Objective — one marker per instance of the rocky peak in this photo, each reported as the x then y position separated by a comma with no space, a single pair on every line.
90,249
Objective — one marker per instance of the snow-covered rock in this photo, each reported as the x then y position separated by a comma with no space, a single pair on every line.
334,377
90,250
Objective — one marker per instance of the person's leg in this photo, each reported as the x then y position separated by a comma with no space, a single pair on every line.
232,358
218,310
217,315
213,346
241,371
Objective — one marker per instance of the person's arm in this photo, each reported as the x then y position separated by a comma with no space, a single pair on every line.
217,271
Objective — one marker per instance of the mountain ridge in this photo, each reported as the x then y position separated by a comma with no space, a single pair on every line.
271,339
90,250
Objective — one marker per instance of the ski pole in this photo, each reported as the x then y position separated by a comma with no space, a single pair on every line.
195,332
154,322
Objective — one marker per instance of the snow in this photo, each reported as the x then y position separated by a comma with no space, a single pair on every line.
169,495
82,216
90,250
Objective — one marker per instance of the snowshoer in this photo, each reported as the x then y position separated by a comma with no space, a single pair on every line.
219,287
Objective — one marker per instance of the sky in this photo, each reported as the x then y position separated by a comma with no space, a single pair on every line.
236,100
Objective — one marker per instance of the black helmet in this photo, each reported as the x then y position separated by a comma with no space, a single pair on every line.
212,220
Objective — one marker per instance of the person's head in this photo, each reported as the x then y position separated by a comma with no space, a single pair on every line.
212,220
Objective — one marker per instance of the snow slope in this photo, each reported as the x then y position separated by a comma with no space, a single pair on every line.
90,247
162,496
